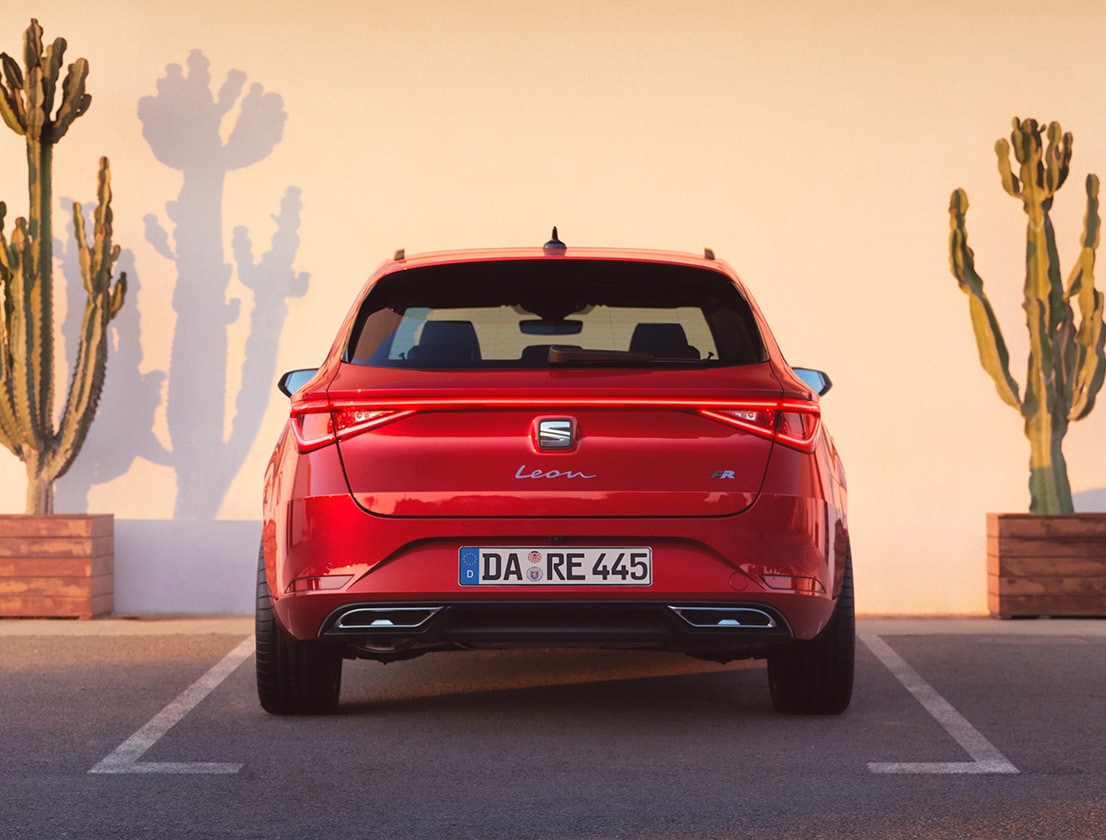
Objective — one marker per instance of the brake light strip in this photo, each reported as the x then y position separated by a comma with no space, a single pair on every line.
795,423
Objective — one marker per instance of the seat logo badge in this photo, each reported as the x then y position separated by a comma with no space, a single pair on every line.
555,433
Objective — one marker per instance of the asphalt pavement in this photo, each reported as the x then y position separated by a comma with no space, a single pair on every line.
149,726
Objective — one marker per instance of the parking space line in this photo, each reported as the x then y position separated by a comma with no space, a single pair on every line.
985,758
125,757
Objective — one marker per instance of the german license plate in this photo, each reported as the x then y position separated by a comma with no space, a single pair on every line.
560,566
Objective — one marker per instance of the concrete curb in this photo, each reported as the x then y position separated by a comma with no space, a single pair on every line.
129,626
980,626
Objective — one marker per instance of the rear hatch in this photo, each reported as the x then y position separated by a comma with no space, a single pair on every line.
555,387
628,445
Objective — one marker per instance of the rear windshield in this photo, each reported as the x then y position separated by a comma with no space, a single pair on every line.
551,313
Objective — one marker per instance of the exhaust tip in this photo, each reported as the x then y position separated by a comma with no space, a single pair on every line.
709,618
385,618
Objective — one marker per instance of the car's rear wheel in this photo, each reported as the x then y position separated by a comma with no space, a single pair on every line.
815,677
293,677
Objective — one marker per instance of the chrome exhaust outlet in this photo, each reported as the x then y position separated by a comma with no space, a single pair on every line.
713,618
385,618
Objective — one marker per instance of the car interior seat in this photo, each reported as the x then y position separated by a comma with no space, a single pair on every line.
662,341
446,343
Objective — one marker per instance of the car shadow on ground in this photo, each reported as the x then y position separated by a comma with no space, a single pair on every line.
596,683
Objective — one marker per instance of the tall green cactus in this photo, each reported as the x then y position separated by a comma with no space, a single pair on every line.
1066,365
28,426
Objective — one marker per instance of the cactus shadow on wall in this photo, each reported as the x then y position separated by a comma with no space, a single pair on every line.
183,125
1090,501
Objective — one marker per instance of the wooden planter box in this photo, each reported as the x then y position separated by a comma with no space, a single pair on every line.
58,566
1046,565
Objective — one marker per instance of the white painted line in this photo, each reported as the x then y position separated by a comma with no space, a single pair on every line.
985,758
125,757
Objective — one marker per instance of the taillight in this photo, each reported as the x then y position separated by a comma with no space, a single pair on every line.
311,424
798,426
794,423
352,421
317,423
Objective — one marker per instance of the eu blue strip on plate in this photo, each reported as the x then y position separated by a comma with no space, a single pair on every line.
470,567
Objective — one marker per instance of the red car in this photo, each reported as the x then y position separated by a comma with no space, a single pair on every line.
555,447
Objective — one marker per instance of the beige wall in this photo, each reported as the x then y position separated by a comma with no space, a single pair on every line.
813,145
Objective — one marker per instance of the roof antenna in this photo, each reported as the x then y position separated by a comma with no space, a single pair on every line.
554,245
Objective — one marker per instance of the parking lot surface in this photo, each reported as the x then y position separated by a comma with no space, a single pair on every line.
959,728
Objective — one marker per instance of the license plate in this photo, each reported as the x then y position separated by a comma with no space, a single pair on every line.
573,566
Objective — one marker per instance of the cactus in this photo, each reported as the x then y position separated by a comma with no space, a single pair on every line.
28,426
1066,364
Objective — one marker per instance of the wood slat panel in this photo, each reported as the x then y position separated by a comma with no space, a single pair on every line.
61,525
1048,546
1023,566
60,587
60,566
50,546
1015,606
53,607
1049,585
1035,527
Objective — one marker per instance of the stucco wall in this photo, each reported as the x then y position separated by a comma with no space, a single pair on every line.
813,145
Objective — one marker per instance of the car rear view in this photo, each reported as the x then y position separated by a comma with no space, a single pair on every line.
554,448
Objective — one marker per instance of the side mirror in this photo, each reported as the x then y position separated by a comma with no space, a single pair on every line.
819,382
293,380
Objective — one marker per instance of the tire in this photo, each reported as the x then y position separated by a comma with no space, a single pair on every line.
293,677
815,677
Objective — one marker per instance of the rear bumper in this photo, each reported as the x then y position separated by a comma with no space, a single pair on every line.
717,562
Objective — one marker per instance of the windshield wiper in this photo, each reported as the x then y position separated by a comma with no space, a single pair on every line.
563,354
569,354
